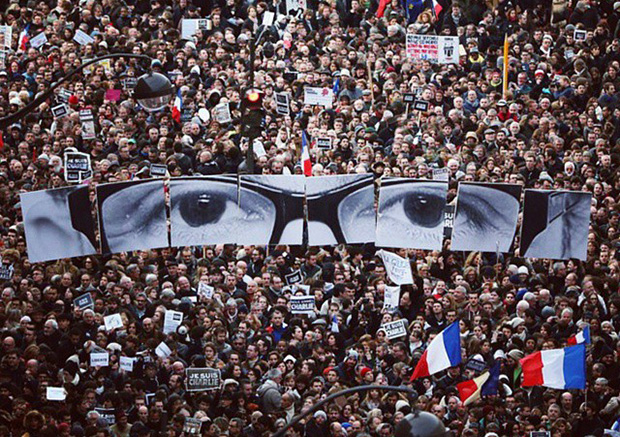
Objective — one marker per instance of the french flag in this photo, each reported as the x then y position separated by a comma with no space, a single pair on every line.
486,384
556,368
177,108
437,8
443,352
306,164
580,337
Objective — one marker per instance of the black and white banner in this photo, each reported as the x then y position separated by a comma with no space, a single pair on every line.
302,305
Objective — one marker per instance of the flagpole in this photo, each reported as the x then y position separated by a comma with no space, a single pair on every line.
372,88
505,72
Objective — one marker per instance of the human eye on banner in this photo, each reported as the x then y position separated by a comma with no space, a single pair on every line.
340,209
411,213
271,210
203,210
555,224
132,216
486,217
58,223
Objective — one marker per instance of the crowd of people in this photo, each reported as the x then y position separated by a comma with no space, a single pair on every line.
555,125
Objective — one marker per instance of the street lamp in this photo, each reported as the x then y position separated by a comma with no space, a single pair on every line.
153,90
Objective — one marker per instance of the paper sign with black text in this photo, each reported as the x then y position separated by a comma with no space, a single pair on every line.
318,96
391,298
126,363
205,290
395,329
441,174
38,40
221,113
172,320
88,124
99,359
162,350
294,278
84,301
398,269
82,38
113,321
302,305
201,379
448,221
6,270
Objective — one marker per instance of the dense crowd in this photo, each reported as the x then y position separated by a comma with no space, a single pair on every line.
556,125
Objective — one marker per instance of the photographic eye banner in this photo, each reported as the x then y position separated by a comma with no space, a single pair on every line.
203,210
58,224
340,209
411,213
271,209
132,215
555,224
485,217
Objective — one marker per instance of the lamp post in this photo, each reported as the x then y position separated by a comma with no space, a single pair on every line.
153,90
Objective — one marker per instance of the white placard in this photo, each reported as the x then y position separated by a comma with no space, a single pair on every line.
391,298
38,40
398,269
126,363
162,350
268,18
55,393
318,96
172,320
6,35
82,38
113,321
99,359
395,329
189,26
295,8
221,113
433,48
441,174
205,290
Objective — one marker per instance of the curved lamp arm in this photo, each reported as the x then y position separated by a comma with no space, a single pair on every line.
16,116
346,392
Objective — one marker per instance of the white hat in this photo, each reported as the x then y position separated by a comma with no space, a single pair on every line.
523,271
401,404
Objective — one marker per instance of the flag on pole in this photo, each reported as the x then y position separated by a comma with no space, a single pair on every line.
486,384
580,337
306,164
177,108
505,77
1,141
443,352
336,88
556,368
435,7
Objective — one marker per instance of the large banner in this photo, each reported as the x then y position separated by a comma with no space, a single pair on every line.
58,224
203,210
132,216
271,210
433,48
555,224
340,209
486,217
411,213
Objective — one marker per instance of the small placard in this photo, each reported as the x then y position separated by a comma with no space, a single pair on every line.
162,350
84,301
60,111
201,379
172,320
324,143
580,35
302,305
205,290
55,393
113,321
395,329
158,170
294,278
126,363
420,105
82,38
409,97
99,359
